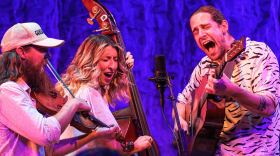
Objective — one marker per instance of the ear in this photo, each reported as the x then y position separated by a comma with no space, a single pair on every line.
224,26
21,52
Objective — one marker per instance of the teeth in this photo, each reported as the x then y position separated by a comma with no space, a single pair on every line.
206,42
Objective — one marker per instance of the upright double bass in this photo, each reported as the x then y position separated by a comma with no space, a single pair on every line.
132,119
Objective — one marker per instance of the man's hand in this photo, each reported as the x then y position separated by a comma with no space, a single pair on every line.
184,125
221,87
260,104
68,110
108,133
81,105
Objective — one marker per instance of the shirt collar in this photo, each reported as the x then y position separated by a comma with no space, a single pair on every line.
23,85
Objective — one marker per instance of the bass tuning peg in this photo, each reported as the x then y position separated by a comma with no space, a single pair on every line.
90,21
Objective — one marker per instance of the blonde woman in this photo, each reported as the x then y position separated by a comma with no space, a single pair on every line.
98,74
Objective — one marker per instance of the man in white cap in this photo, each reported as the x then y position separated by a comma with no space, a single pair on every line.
23,130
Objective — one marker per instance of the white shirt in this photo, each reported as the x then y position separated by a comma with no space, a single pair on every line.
100,109
22,128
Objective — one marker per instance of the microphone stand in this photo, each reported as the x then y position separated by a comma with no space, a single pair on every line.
161,88
162,79
182,138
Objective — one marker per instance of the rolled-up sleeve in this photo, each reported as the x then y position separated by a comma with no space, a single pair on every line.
52,130
266,74
185,97
18,112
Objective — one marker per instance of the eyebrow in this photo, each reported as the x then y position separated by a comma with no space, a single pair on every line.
205,24
202,25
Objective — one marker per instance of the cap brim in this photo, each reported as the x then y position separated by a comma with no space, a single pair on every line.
49,42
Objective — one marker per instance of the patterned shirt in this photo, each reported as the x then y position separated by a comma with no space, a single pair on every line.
22,128
246,133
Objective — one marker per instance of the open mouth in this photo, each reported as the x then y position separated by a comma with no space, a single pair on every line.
208,44
109,74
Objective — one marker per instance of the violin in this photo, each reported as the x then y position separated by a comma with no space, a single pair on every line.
50,102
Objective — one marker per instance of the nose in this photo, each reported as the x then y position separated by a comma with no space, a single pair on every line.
113,64
201,33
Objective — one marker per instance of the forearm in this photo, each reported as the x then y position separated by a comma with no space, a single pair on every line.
66,146
260,104
181,108
65,115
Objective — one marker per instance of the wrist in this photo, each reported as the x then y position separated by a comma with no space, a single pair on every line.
128,147
69,106
234,91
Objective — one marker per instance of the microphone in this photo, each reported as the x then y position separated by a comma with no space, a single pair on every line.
161,76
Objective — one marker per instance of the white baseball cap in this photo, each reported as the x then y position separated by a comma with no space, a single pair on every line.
22,34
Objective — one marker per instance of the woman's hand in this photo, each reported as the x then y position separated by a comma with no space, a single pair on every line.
142,143
129,61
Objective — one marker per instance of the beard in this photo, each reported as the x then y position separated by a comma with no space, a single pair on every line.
37,79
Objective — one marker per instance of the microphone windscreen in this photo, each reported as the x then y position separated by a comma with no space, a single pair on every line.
160,66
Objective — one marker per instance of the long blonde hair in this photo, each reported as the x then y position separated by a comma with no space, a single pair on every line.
84,70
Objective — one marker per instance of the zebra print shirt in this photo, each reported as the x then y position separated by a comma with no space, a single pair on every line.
256,69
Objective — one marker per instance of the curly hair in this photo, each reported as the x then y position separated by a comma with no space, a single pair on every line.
83,69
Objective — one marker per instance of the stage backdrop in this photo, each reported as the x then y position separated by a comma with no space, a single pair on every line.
149,28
